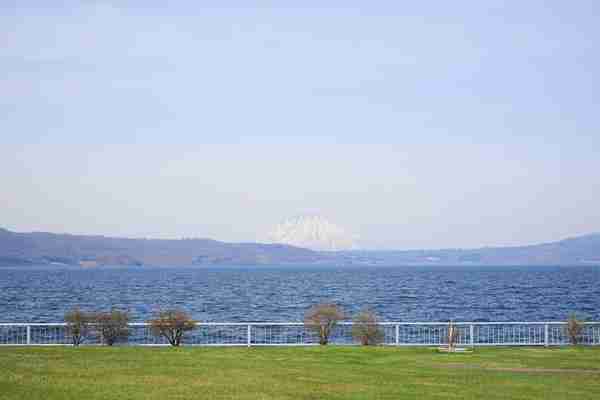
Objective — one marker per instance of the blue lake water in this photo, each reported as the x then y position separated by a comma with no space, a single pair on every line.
283,293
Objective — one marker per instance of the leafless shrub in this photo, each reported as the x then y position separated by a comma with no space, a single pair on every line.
322,318
366,329
112,326
78,325
452,336
574,329
172,324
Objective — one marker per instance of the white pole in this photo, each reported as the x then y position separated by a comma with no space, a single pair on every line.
546,335
472,334
249,336
397,335
28,334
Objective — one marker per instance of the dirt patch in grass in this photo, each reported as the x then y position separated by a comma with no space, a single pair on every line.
521,369
551,370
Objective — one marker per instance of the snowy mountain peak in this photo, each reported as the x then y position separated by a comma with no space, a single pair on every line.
312,232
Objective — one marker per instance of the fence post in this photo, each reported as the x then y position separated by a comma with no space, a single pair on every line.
28,334
397,341
472,335
249,335
546,343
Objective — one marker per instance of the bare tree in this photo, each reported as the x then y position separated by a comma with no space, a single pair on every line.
78,325
366,329
112,326
172,324
574,329
321,319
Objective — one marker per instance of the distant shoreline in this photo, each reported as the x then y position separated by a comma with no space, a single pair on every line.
90,251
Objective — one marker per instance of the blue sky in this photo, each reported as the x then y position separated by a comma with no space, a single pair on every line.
433,124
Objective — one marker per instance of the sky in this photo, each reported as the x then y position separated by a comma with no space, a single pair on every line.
410,124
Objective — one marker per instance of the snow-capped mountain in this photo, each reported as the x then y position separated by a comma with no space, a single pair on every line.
312,232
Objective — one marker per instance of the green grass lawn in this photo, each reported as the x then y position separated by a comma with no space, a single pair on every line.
297,373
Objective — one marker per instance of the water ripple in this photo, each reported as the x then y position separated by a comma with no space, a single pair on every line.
43,294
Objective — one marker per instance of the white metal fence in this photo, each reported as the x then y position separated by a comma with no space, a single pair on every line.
296,334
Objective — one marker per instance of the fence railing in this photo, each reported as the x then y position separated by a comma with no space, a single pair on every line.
296,334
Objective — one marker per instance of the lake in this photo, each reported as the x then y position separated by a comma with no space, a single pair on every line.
283,293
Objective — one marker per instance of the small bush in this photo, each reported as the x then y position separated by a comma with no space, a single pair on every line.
366,329
172,324
78,325
574,329
112,326
321,319
452,336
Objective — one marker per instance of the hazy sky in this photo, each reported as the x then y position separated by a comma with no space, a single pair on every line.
411,124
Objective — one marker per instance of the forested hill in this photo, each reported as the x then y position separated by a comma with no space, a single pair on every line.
582,250
49,248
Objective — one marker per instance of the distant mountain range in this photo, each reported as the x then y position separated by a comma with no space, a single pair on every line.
36,248
581,250
49,248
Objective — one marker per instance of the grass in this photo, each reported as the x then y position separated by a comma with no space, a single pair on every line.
297,373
